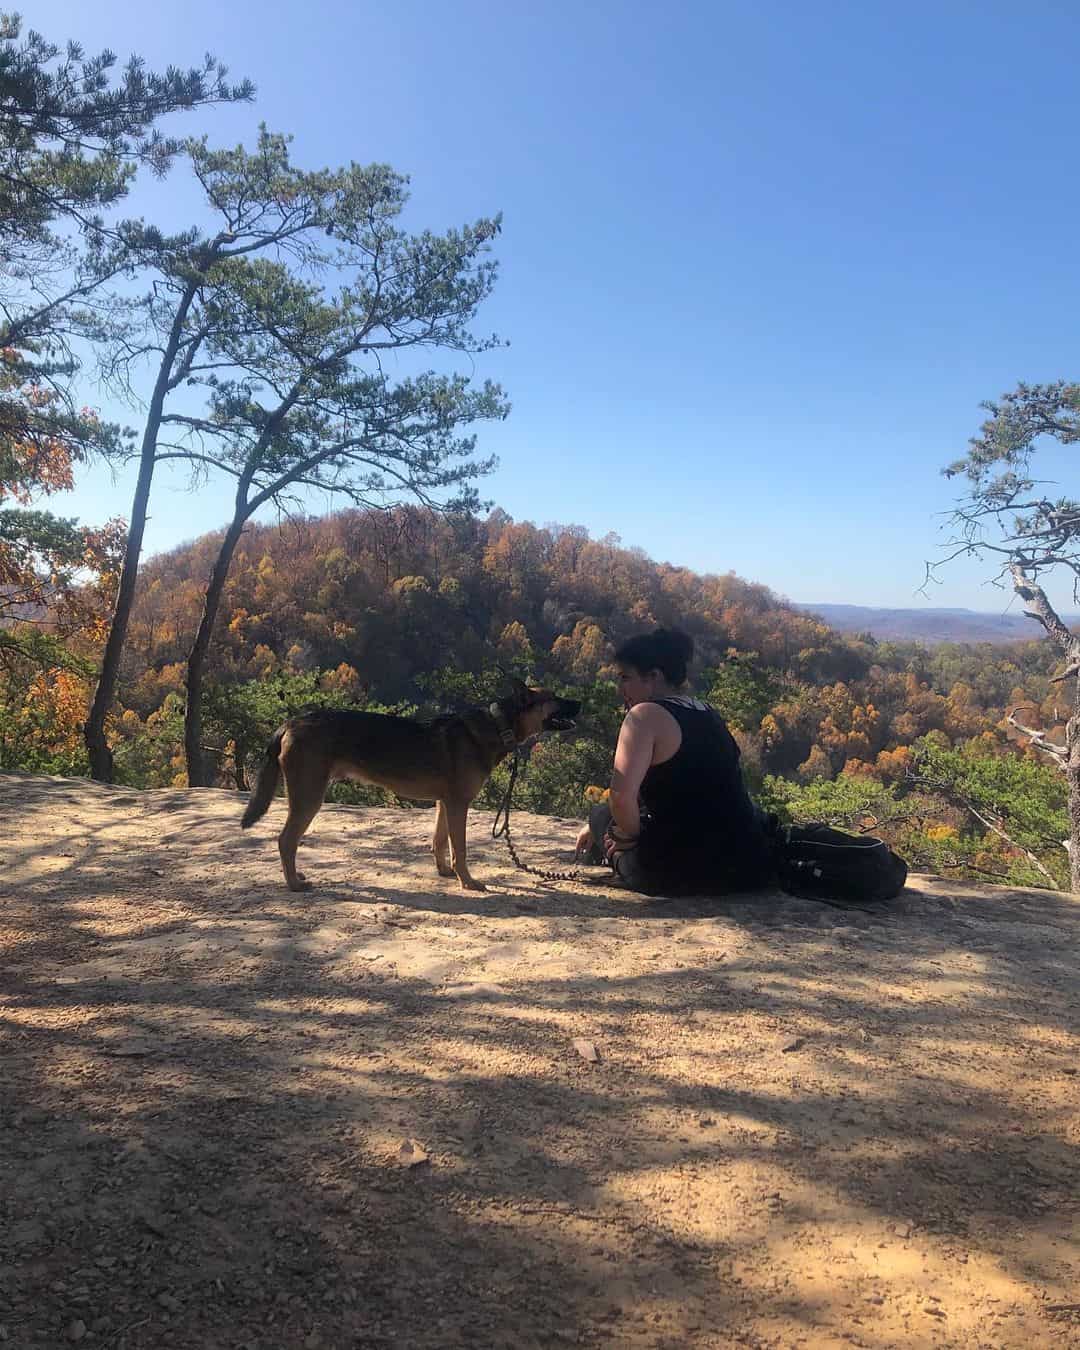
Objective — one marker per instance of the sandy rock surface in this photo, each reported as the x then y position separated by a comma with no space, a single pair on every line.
390,1113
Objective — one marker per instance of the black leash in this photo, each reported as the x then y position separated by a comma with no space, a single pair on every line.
503,832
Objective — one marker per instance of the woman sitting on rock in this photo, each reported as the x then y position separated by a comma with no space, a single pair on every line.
679,819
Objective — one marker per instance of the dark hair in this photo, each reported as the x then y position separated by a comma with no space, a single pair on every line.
666,650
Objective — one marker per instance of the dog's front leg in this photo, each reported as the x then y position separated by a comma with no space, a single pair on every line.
456,815
440,844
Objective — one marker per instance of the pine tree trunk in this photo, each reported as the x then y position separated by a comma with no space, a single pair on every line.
101,759
193,752
1072,778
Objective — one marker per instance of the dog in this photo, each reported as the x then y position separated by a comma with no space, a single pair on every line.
448,759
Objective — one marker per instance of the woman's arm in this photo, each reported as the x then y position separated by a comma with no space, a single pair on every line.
633,755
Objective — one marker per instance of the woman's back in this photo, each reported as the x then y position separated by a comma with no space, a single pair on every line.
701,824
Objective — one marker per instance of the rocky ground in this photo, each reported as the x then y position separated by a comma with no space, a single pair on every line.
390,1113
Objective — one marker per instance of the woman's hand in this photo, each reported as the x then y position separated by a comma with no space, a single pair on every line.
584,839
615,841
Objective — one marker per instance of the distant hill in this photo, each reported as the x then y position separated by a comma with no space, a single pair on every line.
932,625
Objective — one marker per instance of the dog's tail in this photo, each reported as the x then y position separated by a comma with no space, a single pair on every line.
265,784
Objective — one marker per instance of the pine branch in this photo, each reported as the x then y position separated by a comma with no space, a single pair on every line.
952,793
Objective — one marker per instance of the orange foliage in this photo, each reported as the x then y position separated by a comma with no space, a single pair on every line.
376,599
893,766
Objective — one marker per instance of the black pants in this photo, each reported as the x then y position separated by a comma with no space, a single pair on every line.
626,863
747,875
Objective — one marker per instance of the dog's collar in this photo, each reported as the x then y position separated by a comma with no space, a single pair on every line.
505,730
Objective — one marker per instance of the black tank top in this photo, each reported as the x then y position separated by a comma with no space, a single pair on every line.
700,822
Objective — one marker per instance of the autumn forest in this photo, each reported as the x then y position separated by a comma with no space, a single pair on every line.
418,611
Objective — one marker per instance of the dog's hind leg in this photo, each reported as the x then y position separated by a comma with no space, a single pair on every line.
440,843
306,788
456,816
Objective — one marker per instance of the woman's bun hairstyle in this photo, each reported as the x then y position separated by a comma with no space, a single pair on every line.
666,649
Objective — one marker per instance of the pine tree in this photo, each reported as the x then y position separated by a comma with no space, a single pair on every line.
1032,535
281,320
72,136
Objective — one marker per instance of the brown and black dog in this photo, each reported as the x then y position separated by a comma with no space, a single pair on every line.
448,760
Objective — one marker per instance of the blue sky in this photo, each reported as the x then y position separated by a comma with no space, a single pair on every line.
760,262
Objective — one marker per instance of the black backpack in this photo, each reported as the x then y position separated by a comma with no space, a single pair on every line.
817,862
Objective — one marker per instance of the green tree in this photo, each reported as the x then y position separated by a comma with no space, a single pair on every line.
742,690
848,802
1007,517
72,135
556,772
282,318
1020,801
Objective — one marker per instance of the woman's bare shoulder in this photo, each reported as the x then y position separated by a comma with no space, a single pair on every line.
649,715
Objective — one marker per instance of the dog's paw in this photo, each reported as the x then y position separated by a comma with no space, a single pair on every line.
301,885
446,871
471,884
